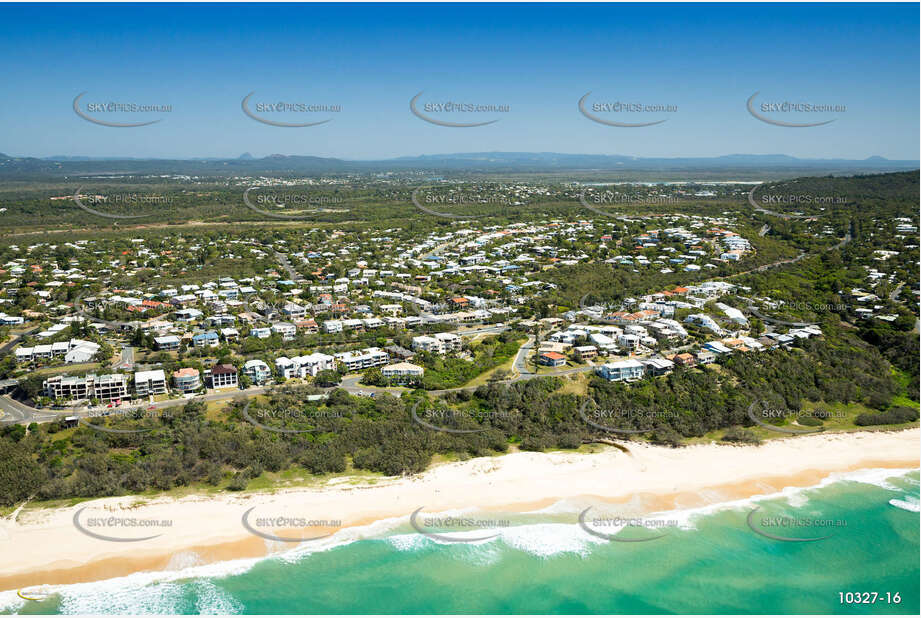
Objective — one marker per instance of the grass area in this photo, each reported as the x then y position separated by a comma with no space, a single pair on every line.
576,384
73,368
483,378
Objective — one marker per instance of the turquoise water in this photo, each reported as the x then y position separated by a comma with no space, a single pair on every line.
711,563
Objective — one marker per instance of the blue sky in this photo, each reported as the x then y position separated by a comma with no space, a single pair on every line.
539,60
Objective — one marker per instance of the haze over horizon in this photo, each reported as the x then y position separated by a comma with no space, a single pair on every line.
538,64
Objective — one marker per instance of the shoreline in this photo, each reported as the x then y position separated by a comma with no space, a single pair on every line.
207,530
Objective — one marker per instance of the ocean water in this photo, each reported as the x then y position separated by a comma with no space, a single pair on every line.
706,561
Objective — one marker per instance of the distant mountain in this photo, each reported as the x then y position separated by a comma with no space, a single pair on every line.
552,160
470,162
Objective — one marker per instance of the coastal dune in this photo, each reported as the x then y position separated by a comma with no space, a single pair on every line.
62,546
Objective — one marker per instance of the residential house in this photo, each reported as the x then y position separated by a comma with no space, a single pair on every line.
223,376
627,370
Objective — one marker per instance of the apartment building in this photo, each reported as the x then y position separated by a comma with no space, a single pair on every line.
403,372
440,343
110,386
105,387
363,359
150,383
224,376
186,380
303,366
70,388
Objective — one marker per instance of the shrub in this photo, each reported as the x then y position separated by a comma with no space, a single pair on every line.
239,481
744,436
893,416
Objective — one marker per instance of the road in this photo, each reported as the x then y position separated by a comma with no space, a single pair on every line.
78,307
8,347
126,361
286,265
895,293
12,411
521,358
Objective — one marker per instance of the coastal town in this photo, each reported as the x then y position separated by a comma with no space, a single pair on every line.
91,329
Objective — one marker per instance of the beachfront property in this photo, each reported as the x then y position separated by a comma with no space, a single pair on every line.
186,380
106,387
151,382
362,359
621,371
658,366
439,343
551,359
257,371
402,372
303,366
223,376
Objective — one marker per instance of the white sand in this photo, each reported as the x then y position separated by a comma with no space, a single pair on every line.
35,542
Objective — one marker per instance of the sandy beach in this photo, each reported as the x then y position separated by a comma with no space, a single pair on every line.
57,546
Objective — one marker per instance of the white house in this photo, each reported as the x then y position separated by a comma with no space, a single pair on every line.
257,371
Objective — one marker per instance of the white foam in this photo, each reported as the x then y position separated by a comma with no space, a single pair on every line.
546,540
215,601
164,598
910,503
10,602
155,592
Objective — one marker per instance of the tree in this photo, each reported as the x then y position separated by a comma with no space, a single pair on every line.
327,378
374,377
20,475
